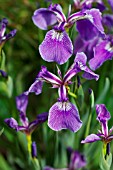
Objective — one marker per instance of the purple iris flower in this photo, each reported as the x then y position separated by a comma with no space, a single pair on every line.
26,127
87,4
104,135
57,45
103,51
3,37
77,161
63,114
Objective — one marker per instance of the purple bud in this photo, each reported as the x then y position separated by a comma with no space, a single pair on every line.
34,150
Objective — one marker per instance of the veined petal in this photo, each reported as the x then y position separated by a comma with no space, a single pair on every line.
43,17
11,122
57,9
70,73
36,87
94,16
41,118
91,138
75,17
22,102
80,58
62,93
64,115
102,52
45,75
102,112
86,29
103,116
80,62
56,46
3,25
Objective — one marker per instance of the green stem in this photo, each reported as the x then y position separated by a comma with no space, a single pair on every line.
71,93
29,140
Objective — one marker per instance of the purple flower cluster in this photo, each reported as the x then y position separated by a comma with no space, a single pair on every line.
63,114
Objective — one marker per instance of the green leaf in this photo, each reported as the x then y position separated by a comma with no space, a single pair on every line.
2,61
6,87
80,95
1,131
105,164
104,91
3,164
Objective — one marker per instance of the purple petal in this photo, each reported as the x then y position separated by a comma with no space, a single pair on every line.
108,20
36,87
81,58
91,138
102,52
56,46
43,17
80,62
44,74
34,150
102,112
3,73
24,119
81,45
11,34
3,25
11,122
86,29
103,116
62,91
111,3
48,168
94,16
90,27
22,102
41,118
77,161
64,115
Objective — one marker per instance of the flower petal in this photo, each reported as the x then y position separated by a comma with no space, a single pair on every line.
56,46
43,17
3,73
22,102
64,115
102,52
91,138
11,122
77,160
80,62
102,113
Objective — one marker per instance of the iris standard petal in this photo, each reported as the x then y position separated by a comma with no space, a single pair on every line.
56,47
64,115
21,103
43,17
80,62
11,122
102,112
102,52
91,138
